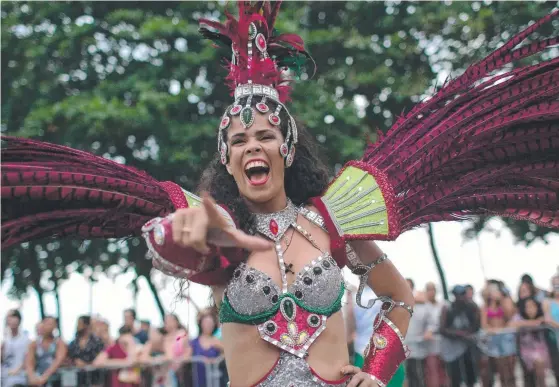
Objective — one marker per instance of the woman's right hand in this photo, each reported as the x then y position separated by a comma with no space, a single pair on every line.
191,226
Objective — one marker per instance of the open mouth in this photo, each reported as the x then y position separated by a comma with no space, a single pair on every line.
257,172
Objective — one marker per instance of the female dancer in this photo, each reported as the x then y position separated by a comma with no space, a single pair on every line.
483,144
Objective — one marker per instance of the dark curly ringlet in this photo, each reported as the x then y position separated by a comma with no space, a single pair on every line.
306,178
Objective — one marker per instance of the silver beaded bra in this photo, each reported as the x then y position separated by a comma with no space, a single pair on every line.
290,316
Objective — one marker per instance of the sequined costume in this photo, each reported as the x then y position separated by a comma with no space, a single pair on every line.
292,371
290,316
486,143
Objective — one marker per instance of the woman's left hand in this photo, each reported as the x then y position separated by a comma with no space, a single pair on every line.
359,377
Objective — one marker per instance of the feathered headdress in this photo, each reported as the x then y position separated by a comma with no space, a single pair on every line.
262,65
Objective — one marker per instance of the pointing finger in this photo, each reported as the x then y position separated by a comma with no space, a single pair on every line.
215,218
249,242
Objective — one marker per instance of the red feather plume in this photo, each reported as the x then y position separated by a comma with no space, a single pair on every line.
484,144
52,190
270,69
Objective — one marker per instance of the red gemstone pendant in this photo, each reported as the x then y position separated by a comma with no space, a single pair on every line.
274,227
262,107
236,109
260,42
274,119
224,123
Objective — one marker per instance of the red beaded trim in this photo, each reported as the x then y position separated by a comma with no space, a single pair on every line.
383,360
175,194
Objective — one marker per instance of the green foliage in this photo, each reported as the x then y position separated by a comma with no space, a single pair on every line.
134,81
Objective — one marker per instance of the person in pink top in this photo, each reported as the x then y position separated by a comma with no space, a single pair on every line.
123,353
495,314
177,349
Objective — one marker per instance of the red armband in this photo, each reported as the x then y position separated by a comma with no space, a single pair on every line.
185,262
385,352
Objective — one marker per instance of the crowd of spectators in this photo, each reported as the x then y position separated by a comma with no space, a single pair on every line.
454,343
141,355
463,342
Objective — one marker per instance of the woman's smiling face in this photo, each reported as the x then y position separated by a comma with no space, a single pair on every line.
255,161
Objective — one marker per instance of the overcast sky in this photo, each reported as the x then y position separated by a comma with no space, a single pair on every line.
501,259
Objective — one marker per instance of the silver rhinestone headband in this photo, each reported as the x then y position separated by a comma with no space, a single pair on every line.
251,89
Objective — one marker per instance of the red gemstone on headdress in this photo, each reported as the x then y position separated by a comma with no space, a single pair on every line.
274,227
262,107
260,42
236,109
274,119
224,123
284,150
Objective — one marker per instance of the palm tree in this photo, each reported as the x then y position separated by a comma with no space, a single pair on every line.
437,260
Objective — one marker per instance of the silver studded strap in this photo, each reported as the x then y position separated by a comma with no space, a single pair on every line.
313,217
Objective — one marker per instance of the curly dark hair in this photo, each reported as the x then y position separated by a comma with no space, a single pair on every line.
524,314
522,308
307,177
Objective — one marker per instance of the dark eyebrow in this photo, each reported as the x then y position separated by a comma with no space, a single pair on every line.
259,132
238,135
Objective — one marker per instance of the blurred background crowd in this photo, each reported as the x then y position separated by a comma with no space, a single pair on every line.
140,355
508,340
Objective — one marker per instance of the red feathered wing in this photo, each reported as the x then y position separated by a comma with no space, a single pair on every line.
52,190
486,143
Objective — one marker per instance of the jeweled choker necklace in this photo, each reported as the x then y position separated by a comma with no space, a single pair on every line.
275,224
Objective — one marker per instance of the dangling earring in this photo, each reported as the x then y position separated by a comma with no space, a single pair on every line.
290,156
221,145
284,148
223,153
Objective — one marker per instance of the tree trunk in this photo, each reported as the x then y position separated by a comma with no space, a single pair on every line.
155,296
39,292
437,260
58,310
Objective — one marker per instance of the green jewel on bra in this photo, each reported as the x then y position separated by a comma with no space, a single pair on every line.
228,314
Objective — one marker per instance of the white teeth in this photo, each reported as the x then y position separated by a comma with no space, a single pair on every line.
254,164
